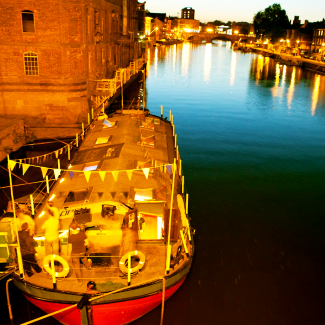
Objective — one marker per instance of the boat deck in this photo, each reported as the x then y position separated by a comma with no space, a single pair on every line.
123,154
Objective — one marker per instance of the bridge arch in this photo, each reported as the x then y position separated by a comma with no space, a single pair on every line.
196,37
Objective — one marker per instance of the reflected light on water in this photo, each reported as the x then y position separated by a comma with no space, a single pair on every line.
148,62
233,68
174,57
315,94
207,61
185,58
259,68
156,61
291,88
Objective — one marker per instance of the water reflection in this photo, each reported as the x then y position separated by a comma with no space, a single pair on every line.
185,58
233,67
315,94
207,61
291,88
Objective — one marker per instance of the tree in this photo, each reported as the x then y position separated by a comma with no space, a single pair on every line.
271,23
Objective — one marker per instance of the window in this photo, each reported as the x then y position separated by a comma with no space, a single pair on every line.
28,21
31,64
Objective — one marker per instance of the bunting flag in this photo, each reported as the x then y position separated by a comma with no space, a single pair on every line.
100,194
169,168
126,194
87,174
129,173
57,154
25,167
56,173
71,174
102,175
146,172
115,175
61,151
44,171
19,163
113,194
11,164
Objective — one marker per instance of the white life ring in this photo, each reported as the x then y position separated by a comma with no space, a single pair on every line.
125,258
48,269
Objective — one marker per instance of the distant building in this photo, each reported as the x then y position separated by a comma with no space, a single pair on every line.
52,51
188,13
156,24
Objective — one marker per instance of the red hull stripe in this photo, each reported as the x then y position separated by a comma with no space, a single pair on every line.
118,313
69,317
127,311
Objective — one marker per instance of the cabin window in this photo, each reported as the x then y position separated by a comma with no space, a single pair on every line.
27,18
31,64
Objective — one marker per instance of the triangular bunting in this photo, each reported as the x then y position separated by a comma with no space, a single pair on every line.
57,173
113,194
169,168
57,154
19,163
129,173
61,150
100,194
146,172
44,171
115,175
11,164
71,174
102,175
25,167
87,174
126,194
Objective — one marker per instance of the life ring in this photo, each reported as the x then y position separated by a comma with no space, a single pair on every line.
48,269
125,258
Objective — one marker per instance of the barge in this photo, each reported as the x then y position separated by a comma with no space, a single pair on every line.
125,190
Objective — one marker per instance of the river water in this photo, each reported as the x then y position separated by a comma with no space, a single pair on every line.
252,140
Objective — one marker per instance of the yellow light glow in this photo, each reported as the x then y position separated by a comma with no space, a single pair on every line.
62,180
209,30
69,166
52,197
236,32
42,214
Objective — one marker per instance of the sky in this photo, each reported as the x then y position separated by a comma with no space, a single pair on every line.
238,10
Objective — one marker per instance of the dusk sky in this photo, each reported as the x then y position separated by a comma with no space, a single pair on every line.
238,10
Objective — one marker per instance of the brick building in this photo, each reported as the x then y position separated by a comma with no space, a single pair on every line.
52,51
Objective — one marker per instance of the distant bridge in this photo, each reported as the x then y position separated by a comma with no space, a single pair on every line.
209,37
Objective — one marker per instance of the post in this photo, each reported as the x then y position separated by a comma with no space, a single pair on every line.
122,88
186,210
88,119
77,140
170,115
92,113
144,89
32,204
83,128
161,111
182,184
176,142
19,257
170,218
59,164
47,185
129,269
69,152
53,272
172,119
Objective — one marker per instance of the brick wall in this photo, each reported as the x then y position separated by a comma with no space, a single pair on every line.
76,41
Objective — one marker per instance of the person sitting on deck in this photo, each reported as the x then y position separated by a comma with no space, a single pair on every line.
77,243
91,288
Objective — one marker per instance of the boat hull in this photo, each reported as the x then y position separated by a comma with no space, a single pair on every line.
117,308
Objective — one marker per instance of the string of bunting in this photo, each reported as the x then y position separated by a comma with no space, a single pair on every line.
87,173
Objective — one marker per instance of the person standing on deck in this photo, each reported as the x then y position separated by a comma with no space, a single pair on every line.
22,218
28,250
51,226
77,243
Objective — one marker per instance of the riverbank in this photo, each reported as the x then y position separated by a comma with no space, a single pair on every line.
288,59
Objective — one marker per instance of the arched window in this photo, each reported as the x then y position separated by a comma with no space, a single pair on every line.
31,64
27,18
